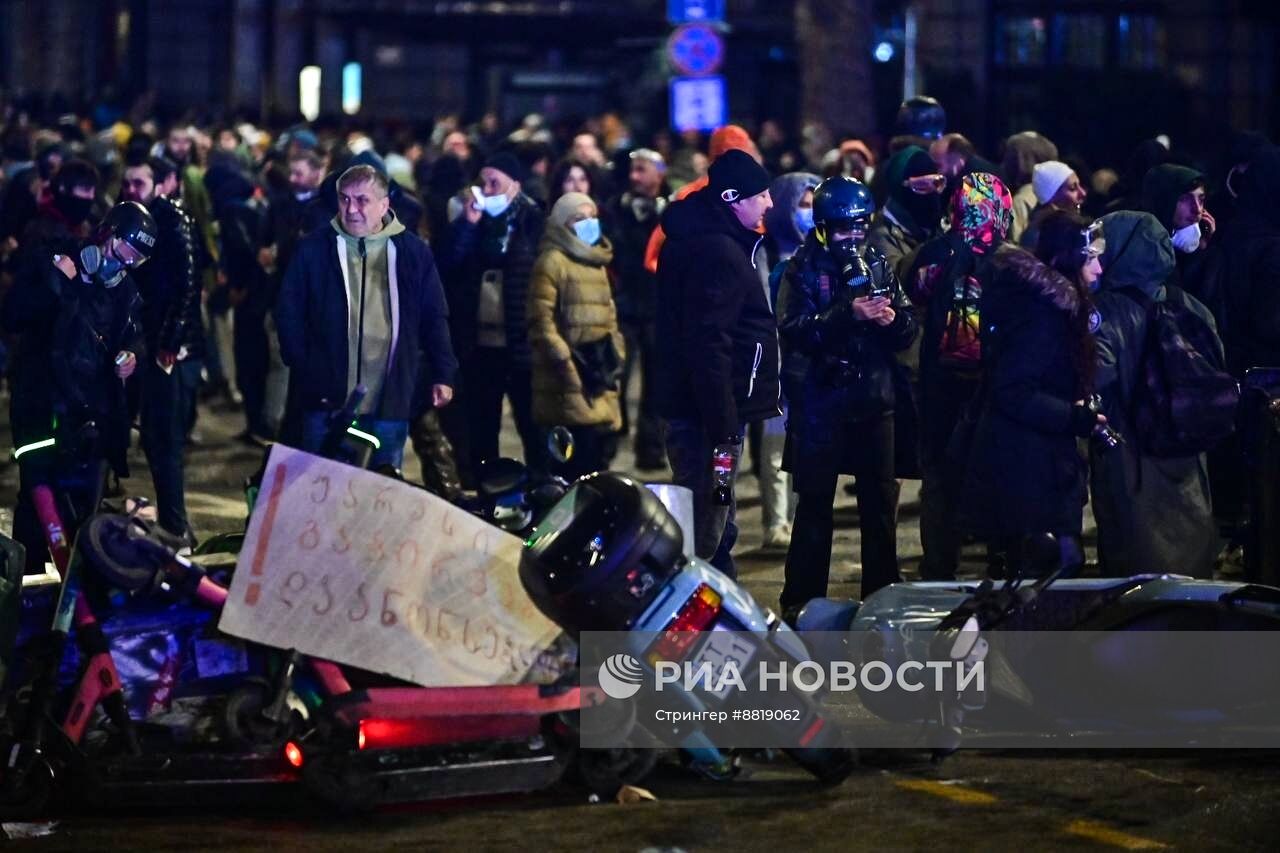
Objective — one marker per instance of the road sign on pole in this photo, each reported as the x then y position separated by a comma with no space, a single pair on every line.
695,50
694,11
698,103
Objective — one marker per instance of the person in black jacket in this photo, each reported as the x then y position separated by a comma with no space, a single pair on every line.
842,315
366,257
718,340
944,283
80,339
170,292
487,262
634,214
242,230
1025,473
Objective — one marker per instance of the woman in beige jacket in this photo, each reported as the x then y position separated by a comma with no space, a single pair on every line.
570,307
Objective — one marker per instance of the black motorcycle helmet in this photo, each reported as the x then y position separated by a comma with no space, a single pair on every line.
841,203
130,223
921,116
601,555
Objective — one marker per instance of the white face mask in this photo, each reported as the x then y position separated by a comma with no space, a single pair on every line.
1187,239
493,205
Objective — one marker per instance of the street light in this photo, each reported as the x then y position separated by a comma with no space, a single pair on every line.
309,92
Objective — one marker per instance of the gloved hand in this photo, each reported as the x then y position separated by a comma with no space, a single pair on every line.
1085,419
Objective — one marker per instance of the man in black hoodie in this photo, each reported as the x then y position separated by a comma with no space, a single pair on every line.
718,356
1175,195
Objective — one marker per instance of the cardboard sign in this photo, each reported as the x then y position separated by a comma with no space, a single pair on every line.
356,568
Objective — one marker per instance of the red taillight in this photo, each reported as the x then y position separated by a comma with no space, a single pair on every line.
360,737
293,754
698,614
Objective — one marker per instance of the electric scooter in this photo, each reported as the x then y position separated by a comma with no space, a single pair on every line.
943,621
609,557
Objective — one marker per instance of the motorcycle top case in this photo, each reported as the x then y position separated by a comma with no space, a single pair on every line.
601,555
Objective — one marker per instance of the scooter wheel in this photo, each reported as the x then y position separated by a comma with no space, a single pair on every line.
604,771
245,725
28,798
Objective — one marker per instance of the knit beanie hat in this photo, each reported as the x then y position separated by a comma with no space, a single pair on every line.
509,165
728,138
736,175
1048,177
566,206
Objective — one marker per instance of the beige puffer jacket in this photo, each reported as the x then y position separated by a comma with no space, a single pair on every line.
570,303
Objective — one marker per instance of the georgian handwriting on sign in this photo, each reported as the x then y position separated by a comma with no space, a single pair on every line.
346,565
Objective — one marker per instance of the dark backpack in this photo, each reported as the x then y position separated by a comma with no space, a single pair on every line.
1184,402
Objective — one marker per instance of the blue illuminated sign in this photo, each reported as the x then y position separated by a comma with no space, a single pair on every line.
695,50
698,103
694,11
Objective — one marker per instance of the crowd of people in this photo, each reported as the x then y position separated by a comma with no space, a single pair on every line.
992,327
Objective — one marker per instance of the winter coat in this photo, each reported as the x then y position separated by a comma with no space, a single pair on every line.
508,242
312,320
896,238
570,303
169,285
1024,472
717,337
1242,283
836,371
64,365
1153,514
632,220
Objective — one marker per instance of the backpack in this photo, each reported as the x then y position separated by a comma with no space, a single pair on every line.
1184,402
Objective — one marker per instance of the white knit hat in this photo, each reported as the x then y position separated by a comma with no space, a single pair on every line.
1048,177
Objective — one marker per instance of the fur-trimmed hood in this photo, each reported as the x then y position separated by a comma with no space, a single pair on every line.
1044,281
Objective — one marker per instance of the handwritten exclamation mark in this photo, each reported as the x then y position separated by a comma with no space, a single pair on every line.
254,591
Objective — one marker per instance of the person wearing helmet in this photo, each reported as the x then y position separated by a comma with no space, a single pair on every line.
79,341
920,121
842,316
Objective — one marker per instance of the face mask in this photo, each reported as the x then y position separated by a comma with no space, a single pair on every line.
493,205
1187,239
106,269
588,231
803,219
74,208
844,251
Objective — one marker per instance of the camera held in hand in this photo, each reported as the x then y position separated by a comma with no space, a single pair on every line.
1105,436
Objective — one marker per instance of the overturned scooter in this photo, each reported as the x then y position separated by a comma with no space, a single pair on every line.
1143,661
608,558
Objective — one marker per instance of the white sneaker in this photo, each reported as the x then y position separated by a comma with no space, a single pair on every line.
777,538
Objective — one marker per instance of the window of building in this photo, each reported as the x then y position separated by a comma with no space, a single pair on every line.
1079,41
1140,42
1020,41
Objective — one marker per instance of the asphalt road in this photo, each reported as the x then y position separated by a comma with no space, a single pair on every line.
976,800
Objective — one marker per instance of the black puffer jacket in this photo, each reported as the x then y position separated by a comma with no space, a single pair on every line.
1025,473
508,243
717,337
837,370
168,284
